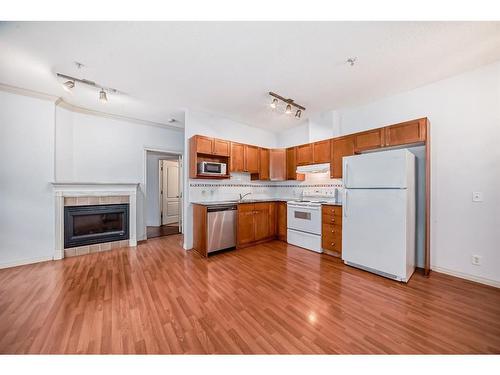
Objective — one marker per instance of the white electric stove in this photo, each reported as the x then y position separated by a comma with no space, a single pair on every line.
304,219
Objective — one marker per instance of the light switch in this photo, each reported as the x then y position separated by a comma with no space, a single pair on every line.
477,196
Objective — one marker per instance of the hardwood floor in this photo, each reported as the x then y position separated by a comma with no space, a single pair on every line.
162,230
270,298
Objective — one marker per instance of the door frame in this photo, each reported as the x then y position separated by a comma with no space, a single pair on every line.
180,156
160,186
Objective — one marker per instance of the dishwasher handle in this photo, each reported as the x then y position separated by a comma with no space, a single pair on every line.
221,208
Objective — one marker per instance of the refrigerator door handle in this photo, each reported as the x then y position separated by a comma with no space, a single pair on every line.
345,204
346,174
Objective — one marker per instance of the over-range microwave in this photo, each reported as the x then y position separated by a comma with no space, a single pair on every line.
213,168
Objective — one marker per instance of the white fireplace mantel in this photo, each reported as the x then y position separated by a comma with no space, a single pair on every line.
88,189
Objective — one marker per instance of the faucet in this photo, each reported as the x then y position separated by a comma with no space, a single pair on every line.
243,196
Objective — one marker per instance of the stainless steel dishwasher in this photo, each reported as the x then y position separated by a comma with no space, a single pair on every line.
221,228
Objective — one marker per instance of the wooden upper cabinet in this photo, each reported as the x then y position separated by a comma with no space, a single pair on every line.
221,147
291,163
321,152
343,146
406,132
252,159
204,145
277,164
264,163
237,161
304,154
370,139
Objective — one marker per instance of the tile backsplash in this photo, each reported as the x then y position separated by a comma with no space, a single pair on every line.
240,183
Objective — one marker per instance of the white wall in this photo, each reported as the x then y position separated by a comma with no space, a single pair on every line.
465,133
26,170
109,150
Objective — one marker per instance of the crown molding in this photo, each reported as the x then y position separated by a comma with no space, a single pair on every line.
74,108
27,92
60,102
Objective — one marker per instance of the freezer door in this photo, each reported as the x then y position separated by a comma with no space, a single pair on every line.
382,169
374,230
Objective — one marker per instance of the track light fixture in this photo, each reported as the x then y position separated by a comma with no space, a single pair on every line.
289,104
71,81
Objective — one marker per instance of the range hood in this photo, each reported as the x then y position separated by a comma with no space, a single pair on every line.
314,168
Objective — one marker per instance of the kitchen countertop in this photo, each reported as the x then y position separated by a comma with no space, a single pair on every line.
215,203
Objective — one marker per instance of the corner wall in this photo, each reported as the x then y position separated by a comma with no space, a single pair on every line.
26,170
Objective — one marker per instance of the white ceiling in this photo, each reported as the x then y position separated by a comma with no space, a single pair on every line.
228,67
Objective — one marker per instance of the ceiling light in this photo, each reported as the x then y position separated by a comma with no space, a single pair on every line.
289,104
68,85
103,98
70,82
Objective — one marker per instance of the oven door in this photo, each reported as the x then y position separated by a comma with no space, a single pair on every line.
304,218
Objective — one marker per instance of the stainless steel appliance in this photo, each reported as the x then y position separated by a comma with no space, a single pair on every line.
221,228
213,168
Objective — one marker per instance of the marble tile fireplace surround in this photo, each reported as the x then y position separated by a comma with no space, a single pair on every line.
73,194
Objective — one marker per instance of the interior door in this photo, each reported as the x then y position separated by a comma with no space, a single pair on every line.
170,192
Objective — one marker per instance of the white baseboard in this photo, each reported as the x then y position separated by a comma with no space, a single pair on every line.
466,276
22,262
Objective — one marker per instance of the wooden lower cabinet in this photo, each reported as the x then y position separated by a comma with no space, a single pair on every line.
245,226
331,230
281,220
256,223
261,221
200,229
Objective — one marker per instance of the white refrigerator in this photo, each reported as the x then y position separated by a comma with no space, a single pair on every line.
378,224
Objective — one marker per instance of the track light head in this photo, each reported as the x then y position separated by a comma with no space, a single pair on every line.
68,85
103,98
298,114
288,109
274,103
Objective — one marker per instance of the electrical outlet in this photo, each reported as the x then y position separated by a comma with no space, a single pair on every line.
476,260
477,196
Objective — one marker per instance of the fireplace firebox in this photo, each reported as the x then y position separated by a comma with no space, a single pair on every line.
88,225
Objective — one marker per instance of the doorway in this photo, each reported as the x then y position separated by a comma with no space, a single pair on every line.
164,194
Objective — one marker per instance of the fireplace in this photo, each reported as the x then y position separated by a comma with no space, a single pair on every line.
93,224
